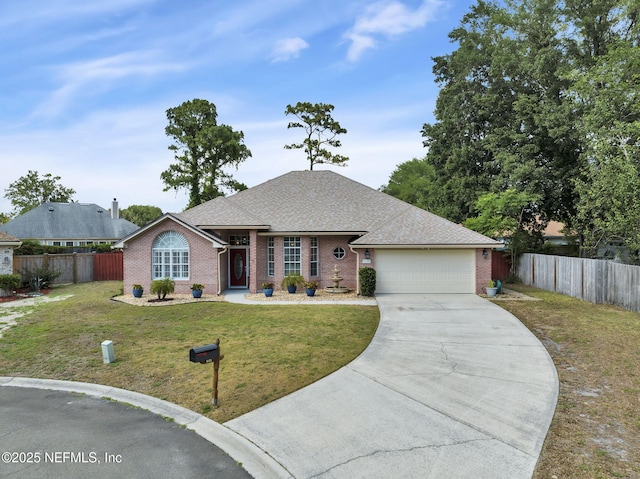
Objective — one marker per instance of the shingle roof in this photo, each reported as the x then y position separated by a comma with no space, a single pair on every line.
7,239
325,202
81,221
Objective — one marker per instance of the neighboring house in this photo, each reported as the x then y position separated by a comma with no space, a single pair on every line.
307,222
7,245
70,224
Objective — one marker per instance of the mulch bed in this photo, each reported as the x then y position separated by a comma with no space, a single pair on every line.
23,293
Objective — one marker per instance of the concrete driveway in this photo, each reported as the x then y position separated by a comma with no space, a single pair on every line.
452,386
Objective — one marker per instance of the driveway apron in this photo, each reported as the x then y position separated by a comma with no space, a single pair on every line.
451,386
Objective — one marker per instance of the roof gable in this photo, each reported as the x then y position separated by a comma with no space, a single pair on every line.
8,240
216,242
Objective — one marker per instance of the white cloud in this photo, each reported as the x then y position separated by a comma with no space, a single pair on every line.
387,19
288,48
98,74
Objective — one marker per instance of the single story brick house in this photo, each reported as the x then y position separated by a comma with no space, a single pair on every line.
308,222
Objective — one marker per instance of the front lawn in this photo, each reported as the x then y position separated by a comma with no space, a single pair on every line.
595,432
269,351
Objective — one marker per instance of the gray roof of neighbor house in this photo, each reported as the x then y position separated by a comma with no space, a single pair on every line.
325,202
67,221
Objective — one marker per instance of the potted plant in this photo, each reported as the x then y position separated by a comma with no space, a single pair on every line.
137,290
267,288
311,287
196,290
291,282
492,289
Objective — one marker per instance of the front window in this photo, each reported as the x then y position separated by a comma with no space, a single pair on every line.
170,255
271,257
291,255
313,267
338,253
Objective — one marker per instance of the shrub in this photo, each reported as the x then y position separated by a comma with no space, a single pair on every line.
267,285
40,277
292,279
197,287
367,281
162,287
10,282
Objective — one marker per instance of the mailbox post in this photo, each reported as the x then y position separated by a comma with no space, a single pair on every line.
204,354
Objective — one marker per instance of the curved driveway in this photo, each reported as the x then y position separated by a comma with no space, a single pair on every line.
451,386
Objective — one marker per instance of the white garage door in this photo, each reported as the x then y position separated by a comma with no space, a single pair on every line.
425,271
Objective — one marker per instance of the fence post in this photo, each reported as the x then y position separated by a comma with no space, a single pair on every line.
75,267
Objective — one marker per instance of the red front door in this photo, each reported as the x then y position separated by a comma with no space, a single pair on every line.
238,268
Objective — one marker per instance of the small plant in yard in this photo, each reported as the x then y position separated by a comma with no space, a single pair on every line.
367,281
311,284
137,286
292,280
162,287
491,284
267,285
40,277
9,282
197,287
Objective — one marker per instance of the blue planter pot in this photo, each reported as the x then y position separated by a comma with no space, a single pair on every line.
137,293
268,292
197,293
311,292
292,289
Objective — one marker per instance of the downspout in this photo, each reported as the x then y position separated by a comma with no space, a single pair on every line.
357,269
220,253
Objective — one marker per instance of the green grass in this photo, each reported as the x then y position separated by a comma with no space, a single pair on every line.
596,349
269,351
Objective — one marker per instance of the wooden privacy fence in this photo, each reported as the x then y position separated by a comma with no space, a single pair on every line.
74,267
593,280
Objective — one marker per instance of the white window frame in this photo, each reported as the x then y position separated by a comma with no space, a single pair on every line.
170,256
292,255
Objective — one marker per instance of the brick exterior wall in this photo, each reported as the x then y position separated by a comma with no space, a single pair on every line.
203,260
326,261
483,270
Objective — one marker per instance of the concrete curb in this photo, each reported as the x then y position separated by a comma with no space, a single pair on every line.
253,459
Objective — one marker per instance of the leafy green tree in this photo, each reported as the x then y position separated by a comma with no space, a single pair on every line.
4,217
510,215
32,190
320,129
141,214
503,119
414,182
606,90
203,151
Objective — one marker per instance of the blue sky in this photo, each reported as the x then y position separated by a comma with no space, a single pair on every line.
85,85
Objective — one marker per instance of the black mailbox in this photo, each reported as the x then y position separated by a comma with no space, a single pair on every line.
203,354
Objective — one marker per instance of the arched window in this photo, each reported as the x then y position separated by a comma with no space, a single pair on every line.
170,254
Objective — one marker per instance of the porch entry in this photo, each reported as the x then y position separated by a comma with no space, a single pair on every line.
238,268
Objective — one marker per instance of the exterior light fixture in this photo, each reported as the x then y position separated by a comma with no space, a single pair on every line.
485,253
367,255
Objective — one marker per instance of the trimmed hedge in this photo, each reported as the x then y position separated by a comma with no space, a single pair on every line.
367,281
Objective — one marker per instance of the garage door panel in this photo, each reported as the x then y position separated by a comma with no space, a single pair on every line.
425,271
